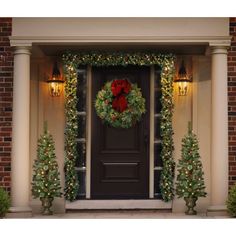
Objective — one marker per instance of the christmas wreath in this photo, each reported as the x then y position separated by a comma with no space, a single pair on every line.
120,103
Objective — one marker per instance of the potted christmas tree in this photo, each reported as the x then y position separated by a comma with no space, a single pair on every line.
46,181
190,182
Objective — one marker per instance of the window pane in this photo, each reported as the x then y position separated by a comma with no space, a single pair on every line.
157,102
157,155
82,180
157,128
157,178
81,89
81,144
81,159
81,100
81,126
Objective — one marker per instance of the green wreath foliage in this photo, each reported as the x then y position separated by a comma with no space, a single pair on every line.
125,119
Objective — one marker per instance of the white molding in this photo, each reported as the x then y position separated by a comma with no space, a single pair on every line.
220,43
190,40
118,204
88,128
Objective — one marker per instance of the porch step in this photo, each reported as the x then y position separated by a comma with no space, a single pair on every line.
118,204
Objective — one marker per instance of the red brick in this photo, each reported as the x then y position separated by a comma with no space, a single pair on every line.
232,102
6,79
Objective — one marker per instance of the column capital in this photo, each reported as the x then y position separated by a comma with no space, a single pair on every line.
22,50
219,49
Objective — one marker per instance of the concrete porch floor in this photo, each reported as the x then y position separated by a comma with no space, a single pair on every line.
120,214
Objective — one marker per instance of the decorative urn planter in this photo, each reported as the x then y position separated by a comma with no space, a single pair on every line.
46,205
190,203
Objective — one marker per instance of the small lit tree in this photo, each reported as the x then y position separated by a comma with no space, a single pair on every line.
46,177
190,182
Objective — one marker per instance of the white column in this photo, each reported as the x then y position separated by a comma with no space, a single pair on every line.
219,142
20,179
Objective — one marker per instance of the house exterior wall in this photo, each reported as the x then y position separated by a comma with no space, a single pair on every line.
6,80
232,103
74,30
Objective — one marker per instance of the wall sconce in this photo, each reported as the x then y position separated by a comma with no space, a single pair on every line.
55,83
182,80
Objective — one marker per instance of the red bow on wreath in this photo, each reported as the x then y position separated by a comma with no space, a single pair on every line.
119,88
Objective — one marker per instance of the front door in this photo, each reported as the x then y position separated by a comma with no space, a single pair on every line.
120,157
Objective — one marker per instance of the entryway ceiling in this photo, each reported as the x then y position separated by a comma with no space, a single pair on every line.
58,50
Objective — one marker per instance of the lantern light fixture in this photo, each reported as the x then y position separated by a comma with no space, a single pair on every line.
55,82
183,80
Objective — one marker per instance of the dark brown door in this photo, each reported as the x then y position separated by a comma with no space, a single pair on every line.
120,157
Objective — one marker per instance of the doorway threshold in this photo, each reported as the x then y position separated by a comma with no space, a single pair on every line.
118,204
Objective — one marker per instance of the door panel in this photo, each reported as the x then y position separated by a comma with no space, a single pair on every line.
120,157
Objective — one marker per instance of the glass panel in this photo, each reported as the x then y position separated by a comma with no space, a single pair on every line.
157,155
81,159
81,88
81,126
82,180
82,77
157,128
157,102
157,78
157,178
81,145
81,100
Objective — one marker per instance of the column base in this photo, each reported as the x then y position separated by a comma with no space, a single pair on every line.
217,210
19,212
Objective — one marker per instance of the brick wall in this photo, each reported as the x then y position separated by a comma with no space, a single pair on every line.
6,80
232,103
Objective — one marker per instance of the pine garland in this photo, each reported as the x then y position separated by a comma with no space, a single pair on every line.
71,62
71,132
167,174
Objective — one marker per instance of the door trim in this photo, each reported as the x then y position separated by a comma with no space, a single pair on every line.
88,134
151,133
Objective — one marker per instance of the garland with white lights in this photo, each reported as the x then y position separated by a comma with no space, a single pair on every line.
71,63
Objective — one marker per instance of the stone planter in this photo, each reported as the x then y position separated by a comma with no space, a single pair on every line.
190,203
46,206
